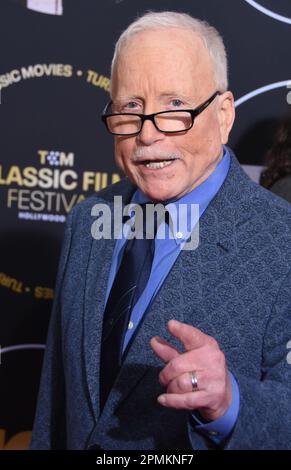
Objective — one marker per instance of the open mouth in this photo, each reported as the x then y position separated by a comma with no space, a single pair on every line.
157,164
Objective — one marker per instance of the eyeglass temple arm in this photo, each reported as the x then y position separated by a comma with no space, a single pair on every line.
207,103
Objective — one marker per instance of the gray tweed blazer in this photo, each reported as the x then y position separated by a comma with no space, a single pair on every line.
235,286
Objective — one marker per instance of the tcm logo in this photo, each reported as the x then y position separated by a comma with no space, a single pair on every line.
50,7
56,158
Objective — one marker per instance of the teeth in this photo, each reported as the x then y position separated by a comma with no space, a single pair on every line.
154,165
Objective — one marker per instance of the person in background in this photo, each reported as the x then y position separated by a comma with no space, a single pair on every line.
277,175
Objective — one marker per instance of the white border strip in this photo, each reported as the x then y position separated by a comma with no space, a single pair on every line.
263,89
268,12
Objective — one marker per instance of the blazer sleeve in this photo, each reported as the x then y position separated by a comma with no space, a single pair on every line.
49,430
265,405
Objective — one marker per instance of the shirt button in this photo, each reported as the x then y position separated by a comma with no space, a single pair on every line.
130,325
213,433
179,234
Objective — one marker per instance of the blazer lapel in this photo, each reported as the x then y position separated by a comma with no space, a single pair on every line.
96,285
98,269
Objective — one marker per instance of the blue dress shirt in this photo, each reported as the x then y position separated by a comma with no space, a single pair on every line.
166,252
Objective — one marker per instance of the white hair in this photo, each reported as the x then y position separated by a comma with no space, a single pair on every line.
169,19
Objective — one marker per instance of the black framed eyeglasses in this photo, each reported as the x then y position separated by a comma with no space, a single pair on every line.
173,121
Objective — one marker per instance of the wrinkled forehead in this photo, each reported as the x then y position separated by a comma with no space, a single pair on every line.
160,56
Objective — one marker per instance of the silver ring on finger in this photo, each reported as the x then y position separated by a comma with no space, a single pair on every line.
194,381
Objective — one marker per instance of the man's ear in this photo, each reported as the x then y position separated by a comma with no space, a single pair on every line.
226,115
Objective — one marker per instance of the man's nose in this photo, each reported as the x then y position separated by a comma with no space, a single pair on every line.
149,133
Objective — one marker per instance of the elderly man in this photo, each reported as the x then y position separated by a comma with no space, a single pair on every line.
152,346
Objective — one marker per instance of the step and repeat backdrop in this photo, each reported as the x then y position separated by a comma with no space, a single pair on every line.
54,82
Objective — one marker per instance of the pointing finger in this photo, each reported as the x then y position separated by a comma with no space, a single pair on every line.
165,351
190,337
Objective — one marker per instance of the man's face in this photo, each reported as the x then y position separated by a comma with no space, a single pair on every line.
169,70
